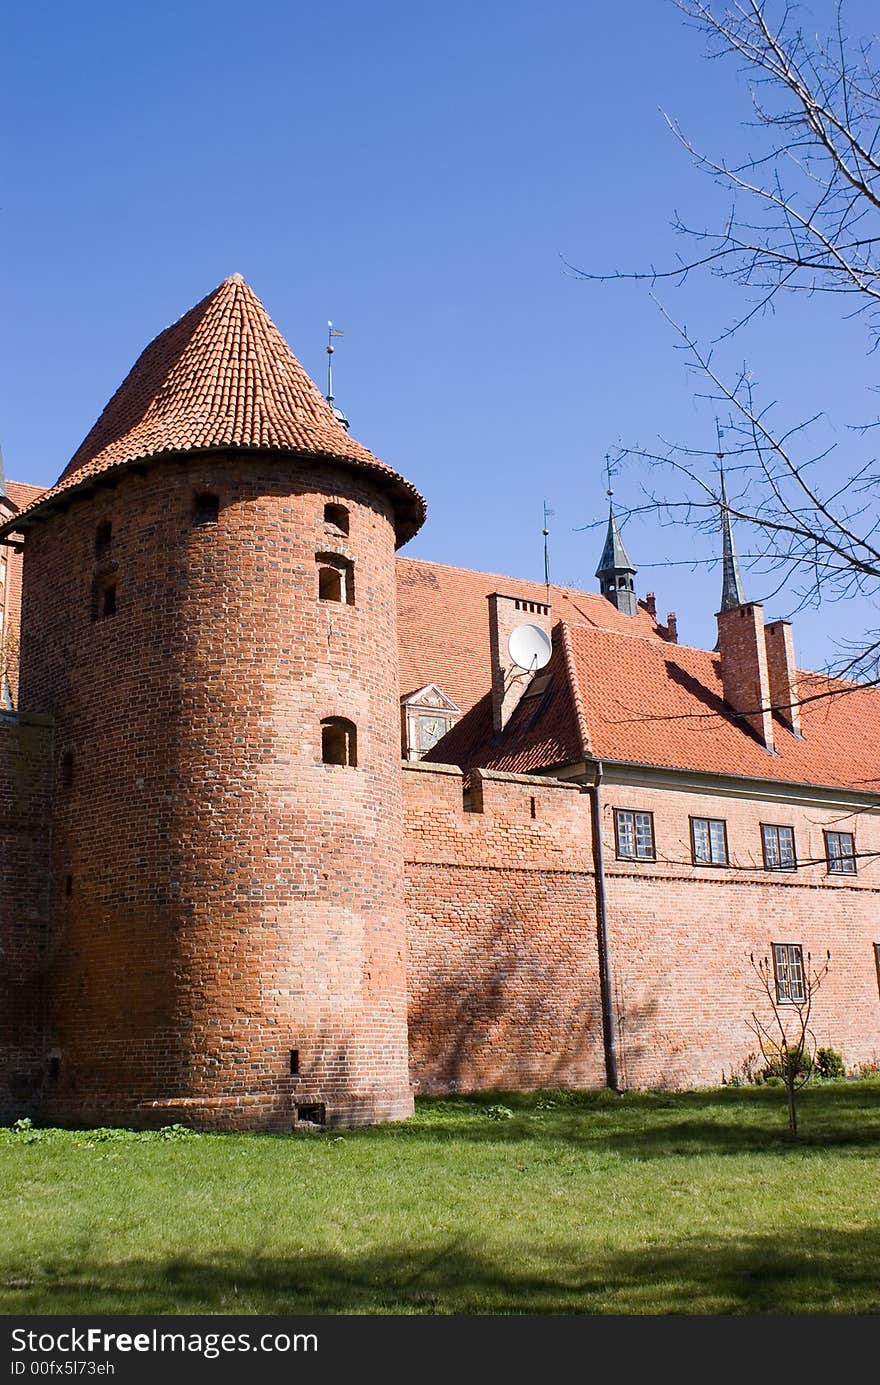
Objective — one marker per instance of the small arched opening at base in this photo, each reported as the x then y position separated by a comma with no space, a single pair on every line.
339,742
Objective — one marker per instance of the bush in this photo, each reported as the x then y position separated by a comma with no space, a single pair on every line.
829,1063
801,1065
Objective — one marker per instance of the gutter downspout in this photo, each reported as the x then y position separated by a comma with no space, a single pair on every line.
609,1026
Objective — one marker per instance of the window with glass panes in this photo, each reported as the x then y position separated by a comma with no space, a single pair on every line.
709,841
634,834
840,849
778,844
788,966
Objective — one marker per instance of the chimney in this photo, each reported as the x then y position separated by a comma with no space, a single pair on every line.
672,628
783,674
744,674
508,681
651,605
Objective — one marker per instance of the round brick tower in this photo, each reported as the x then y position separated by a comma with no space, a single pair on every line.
210,619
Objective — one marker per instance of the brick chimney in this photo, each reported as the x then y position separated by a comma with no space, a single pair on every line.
783,674
651,605
672,628
509,682
744,674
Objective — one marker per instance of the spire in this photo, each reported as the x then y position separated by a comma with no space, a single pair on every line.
614,555
616,569
223,377
731,583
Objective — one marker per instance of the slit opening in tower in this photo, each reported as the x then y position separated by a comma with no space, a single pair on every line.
103,598
339,742
103,540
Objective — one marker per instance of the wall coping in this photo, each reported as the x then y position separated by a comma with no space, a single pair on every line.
420,767
540,781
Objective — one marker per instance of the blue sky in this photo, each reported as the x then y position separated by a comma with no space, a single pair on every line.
416,172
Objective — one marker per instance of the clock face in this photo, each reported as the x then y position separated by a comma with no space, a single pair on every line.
430,731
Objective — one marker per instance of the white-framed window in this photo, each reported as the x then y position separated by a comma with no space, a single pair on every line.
788,969
634,834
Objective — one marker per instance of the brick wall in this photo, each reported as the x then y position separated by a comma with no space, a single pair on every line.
681,935
221,897
25,801
501,920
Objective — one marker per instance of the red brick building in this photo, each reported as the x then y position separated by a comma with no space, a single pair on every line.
287,831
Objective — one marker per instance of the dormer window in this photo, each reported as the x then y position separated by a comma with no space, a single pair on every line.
426,716
336,519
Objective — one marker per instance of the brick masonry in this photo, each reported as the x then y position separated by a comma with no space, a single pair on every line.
682,935
221,898
190,896
25,817
501,923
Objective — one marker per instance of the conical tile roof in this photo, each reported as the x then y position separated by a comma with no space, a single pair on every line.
224,377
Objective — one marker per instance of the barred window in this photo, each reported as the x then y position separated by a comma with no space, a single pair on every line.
634,834
788,967
840,849
778,844
709,841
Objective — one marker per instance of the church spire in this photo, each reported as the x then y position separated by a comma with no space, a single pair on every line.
616,570
731,582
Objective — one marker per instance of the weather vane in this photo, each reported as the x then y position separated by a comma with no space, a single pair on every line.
609,472
330,348
546,533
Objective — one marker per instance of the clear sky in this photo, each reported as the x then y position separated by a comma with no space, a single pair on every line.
416,172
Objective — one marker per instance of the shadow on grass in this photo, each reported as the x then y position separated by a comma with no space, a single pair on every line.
813,1270
840,1116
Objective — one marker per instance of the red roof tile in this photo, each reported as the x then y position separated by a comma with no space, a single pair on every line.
443,623
617,690
22,494
224,377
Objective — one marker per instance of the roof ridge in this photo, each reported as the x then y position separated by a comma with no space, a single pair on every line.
646,639
574,687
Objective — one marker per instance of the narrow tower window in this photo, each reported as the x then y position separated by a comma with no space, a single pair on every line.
339,742
103,540
103,598
336,518
335,578
67,769
206,509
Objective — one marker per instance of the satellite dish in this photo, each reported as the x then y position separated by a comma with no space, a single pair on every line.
529,647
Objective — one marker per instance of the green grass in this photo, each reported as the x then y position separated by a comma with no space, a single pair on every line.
691,1202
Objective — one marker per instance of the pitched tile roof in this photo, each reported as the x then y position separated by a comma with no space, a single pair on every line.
443,623
224,377
22,494
616,689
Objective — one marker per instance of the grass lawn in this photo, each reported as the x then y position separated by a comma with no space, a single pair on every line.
691,1202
